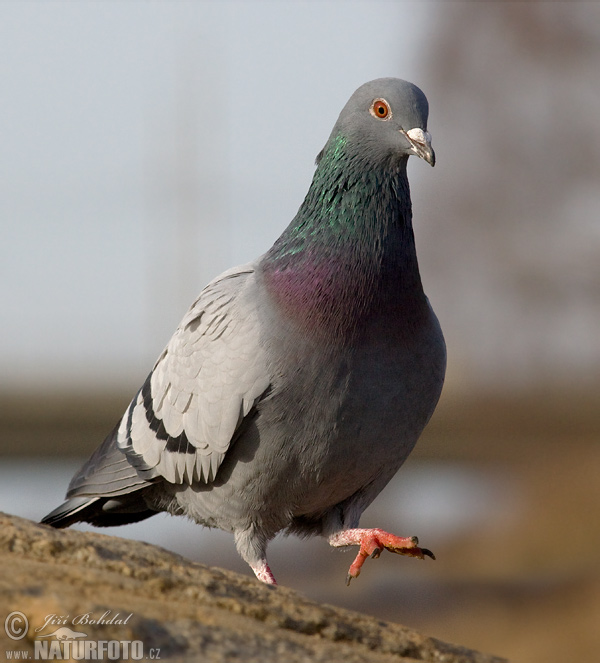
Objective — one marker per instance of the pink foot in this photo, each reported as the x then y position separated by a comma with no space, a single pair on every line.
263,573
373,542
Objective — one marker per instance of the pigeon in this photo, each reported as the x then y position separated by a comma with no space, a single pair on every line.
296,385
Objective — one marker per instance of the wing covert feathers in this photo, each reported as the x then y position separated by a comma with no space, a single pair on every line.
209,377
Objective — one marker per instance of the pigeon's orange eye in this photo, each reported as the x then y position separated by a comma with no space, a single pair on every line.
381,109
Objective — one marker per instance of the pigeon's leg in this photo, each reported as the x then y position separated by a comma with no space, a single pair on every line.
252,546
263,572
373,542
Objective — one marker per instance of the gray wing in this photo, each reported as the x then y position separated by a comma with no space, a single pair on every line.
209,377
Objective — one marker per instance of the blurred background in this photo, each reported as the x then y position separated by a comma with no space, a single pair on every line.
145,147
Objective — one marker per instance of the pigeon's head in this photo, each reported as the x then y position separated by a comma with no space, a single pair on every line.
385,120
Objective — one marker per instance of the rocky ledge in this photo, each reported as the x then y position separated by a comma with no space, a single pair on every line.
100,591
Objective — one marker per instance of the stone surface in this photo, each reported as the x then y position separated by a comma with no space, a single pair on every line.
188,611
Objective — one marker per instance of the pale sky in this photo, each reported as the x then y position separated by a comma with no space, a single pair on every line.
147,146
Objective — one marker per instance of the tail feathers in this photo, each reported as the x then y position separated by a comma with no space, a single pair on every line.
70,512
106,491
99,511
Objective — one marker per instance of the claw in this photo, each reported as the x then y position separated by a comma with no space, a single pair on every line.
372,543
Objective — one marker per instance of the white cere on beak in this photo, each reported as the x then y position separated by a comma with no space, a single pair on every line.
420,143
419,136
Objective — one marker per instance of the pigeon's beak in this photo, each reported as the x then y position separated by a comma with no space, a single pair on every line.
420,144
